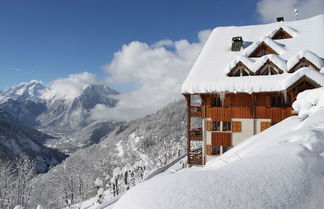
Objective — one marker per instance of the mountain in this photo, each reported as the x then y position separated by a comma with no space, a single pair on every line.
37,106
17,139
125,155
24,91
63,115
26,111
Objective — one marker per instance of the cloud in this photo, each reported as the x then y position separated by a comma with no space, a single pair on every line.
70,87
158,71
270,9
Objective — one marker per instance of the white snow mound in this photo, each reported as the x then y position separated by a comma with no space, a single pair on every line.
308,102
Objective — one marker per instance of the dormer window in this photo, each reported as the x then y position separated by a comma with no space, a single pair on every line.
263,49
303,62
281,34
239,70
269,69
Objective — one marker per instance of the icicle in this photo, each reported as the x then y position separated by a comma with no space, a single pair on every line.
222,97
284,92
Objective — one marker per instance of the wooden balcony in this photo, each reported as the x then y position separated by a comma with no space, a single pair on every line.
196,134
195,157
195,111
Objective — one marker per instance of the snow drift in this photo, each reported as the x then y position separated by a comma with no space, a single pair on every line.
282,167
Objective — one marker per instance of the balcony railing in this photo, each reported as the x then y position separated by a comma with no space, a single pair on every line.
195,157
195,111
196,134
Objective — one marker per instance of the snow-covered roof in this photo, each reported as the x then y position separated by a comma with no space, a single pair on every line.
216,60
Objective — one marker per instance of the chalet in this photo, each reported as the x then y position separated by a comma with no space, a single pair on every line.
245,80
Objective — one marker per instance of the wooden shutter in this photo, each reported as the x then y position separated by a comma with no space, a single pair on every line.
209,125
236,126
265,125
208,149
268,101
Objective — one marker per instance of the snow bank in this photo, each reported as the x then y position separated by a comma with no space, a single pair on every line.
308,102
281,167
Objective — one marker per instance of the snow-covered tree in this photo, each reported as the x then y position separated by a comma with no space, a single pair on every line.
100,192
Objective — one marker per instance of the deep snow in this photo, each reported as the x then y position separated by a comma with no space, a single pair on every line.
209,73
281,167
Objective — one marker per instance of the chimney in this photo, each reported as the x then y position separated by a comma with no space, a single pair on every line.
237,43
280,19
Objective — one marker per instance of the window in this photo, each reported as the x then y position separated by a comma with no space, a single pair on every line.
227,126
276,101
216,126
287,101
225,149
215,150
244,73
303,62
261,50
281,34
240,71
268,70
217,102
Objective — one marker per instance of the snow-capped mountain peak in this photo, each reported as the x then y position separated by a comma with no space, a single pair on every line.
23,91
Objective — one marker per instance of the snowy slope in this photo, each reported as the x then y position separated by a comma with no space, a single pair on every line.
136,147
209,73
282,167
17,139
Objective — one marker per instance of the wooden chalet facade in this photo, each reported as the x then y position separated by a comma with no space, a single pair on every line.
238,116
226,118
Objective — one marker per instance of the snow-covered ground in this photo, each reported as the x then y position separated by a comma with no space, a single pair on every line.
282,167
92,203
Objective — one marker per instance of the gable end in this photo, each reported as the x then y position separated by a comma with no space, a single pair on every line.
240,70
261,50
271,66
281,34
303,62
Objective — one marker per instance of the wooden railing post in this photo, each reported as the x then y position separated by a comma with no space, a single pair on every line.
187,96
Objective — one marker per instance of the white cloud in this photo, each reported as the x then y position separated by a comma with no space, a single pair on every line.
270,9
157,72
69,88
165,42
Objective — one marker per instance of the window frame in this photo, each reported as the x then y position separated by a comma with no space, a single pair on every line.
216,102
227,126
216,125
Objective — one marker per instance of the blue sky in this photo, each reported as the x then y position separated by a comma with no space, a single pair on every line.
46,40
